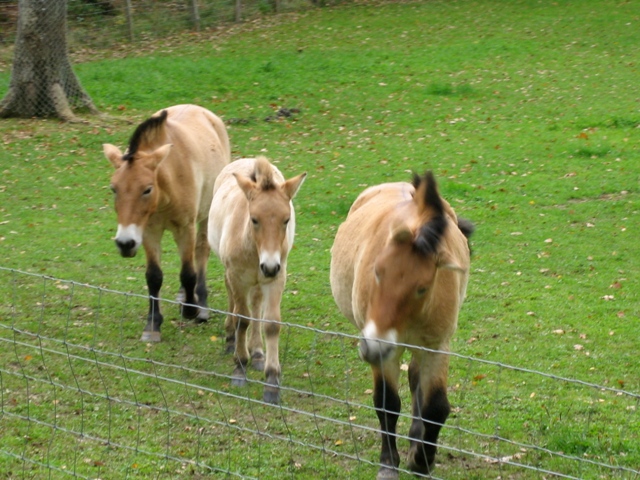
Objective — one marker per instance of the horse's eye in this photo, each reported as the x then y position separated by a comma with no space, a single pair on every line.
286,222
147,191
254,220
421,291
113,189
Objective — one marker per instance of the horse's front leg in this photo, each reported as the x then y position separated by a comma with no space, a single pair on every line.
387,404
272,293
185,239
240,320
255,331
154,277
430,408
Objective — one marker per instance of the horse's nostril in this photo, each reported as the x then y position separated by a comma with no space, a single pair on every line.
374,351
126,247
270,270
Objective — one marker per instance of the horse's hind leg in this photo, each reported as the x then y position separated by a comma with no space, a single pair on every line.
186,240
230,321
202,258
255,331
188,279
430,409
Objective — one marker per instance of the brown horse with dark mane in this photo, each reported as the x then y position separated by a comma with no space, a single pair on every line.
399,271
164,181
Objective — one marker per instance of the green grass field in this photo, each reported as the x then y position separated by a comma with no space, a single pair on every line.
528,113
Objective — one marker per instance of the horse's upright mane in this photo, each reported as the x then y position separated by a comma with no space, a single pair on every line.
145,131
430,234
263,174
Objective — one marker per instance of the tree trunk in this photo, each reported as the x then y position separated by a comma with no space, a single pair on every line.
43,83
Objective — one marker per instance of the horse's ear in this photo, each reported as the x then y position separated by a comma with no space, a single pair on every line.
113,154
159,155
292,185
247,185
427,197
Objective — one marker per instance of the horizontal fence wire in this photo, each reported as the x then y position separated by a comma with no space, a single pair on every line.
82,397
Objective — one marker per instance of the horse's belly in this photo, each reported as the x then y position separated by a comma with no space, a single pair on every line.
342,273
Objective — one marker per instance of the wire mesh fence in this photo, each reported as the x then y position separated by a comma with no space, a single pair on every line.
104,23
40,39
82,397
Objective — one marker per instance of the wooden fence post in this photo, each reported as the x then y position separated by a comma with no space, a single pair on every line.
238,10
128,13
195,15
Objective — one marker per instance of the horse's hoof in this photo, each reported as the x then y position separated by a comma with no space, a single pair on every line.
271,395
422,469
387,473
419,467
238,381
189,312
203,315
150,336
239,376
257,362
258,365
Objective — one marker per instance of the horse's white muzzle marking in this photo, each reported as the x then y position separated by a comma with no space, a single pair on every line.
128,239
376,348
269,263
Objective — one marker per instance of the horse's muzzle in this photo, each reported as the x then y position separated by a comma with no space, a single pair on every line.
374,351
270,271
127,248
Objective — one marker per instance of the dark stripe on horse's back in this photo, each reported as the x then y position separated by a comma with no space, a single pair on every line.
431,232
144,129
